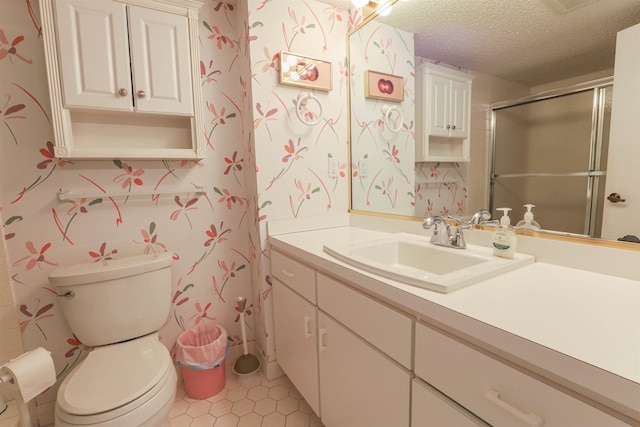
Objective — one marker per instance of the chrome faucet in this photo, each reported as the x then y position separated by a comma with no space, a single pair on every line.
442,235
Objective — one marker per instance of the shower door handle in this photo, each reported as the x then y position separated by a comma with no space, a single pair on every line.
615,198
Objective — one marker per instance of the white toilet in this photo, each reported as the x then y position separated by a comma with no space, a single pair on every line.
117,307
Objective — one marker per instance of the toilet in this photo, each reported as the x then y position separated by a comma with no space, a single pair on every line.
117,307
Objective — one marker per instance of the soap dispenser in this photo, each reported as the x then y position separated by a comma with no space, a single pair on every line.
504,238
528,223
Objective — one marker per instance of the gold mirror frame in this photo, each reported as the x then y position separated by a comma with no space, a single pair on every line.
370,15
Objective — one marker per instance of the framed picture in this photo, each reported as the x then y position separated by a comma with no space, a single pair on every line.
302,71
383,86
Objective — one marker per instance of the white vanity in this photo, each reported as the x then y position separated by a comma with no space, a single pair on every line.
553,343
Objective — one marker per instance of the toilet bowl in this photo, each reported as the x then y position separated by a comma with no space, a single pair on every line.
128,377
126,384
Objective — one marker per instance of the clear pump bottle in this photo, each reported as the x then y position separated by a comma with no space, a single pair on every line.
504,238
528,223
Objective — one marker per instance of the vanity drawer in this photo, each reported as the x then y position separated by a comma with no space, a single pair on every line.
294,274
384,327
495,392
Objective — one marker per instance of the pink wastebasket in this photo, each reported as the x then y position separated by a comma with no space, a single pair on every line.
203,383
200,353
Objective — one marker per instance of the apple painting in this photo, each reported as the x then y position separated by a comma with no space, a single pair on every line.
385,86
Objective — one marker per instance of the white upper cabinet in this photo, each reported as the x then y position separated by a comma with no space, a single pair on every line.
123,77
443,114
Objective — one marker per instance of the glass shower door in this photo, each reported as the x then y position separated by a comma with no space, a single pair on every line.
552,153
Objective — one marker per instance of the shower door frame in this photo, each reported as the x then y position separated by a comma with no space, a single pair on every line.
595,149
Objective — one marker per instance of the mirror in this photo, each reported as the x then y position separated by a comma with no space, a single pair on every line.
510,51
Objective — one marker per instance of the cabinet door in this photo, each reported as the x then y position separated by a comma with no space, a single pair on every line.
296,341
160,61
439,88
459,117
94,54
359,387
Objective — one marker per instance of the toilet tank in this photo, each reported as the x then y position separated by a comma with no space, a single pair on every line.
116,300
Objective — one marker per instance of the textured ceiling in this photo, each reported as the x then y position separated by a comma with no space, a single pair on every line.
526,41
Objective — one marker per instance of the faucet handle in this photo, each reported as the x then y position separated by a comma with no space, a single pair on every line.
432,220
457,239
480,217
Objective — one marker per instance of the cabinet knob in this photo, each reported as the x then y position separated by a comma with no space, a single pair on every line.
141,94
123,92
448,126
453,127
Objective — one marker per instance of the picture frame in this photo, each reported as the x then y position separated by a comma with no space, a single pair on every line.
303,71
386,87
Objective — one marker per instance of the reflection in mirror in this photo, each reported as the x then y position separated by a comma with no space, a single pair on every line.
540,50
554,150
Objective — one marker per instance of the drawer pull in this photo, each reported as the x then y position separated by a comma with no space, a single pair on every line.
532,419
288,273
307,332
321,333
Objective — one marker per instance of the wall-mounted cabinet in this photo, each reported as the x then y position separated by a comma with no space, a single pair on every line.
123,78
443,111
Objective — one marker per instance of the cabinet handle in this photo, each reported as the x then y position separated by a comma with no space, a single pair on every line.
141,94
123,92
307,332
453,127
532,419
288,273
448,126
321,344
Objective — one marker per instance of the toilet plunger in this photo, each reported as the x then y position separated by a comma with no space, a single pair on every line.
247,363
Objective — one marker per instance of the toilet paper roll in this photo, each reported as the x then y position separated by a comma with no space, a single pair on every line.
32,372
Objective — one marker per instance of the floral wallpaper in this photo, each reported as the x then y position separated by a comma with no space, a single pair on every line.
291,158
383,151
441,189
262,163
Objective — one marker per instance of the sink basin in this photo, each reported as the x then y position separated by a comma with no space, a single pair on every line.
411,259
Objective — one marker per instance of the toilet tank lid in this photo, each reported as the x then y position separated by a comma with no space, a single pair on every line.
90,272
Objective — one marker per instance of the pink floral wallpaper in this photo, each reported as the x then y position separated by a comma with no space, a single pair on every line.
383,159
291,158
262,164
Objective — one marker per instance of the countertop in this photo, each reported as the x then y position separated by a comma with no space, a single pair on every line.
577,328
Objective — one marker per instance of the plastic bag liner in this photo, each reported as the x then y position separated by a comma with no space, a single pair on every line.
202,347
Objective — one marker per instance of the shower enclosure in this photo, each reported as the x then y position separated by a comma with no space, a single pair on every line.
551,151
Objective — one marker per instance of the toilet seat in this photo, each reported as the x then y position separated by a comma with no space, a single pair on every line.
115,380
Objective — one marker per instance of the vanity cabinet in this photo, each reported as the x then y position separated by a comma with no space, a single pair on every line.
124,78
443,114
365,362
335,362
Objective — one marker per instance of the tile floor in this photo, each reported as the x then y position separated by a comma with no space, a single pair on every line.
255,402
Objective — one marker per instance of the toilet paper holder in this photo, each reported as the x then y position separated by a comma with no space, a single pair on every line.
31,373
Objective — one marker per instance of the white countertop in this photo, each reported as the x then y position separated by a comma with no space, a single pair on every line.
561,322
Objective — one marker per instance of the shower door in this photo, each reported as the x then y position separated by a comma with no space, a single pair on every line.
551,152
